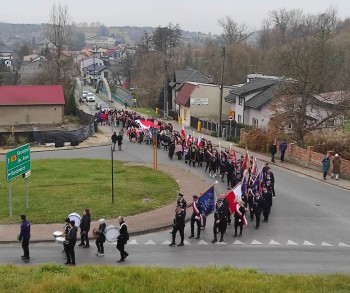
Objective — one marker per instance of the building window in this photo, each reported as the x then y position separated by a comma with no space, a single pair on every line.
239,119
290,126
240,100
255,123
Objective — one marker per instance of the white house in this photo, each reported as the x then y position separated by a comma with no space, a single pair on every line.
91,61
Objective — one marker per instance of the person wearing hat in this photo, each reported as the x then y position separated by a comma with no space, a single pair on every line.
100,237
220,220
258,208
336,167
267,197
24,236
122,239
71,240
181,202
196,216
179,225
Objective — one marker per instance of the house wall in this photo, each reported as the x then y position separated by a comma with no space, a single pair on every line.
185,114
210,111
262,115
238,109
43,114
31,69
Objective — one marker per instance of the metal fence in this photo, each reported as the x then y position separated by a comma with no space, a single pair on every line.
227,130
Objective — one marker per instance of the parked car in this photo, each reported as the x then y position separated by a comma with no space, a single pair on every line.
90,97
85,94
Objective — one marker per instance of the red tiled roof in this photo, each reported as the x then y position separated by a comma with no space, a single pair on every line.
16,95
184,95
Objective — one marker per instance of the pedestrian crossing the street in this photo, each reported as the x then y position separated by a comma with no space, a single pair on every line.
254,242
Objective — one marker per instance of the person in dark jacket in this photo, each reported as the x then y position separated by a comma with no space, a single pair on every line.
24,236
196,216
179,225
171,150
273,151
220,220
71,240
120,140
85,228
267,197
283,148
326,163
258,208
101,238
122,239
239,218
270,182
114,140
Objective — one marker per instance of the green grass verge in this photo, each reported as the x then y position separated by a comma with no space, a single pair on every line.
57,278
145,111
347,126
59,187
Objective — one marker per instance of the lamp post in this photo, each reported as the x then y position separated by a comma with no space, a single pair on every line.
154,132
223,54
165,90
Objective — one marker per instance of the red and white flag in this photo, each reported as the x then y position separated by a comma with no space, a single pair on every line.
246,161
199,142
232,195
241,215
183,133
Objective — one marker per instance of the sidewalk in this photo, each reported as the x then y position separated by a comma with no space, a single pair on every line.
189,184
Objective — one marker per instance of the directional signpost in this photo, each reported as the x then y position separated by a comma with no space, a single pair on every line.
17,164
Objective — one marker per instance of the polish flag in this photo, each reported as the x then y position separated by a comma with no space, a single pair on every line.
255,166
232,195
183,133
246,161
199,142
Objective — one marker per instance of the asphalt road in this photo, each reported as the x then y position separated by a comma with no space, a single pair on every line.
308,230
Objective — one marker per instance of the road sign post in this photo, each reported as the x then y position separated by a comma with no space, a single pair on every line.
17,164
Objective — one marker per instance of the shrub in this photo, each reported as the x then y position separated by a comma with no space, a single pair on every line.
22,140
336,141
10,140
214,134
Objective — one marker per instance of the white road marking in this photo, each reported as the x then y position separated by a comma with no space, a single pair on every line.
343,244
202,242
166,242
290,242
133,242
307,243
273,242
325,244
150,242
237,242
255,242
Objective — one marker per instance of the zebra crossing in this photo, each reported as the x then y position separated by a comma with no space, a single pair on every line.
254,242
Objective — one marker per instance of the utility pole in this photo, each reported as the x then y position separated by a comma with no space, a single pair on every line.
223,55
165,90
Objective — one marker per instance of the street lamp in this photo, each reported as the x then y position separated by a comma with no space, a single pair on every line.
154,132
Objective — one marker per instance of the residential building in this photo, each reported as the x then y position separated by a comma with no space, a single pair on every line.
202,101
31,104
31,70
183,76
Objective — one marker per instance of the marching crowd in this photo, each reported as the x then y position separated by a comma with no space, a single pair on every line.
255,195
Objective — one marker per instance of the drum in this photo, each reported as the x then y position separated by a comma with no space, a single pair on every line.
60,240
111,233
57,234
75,217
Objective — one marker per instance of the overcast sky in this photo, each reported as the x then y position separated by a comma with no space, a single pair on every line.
191,15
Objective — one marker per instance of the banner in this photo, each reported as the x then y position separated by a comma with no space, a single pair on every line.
208,201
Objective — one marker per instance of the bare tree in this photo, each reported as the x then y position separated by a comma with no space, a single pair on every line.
58,33
281,19
313,66
264,38
233,33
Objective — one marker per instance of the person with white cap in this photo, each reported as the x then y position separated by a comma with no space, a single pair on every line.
336,167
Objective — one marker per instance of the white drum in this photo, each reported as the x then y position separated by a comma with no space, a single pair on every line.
111,233
57,234
60,240
76,218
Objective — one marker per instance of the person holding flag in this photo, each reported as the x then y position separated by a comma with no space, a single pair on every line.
220,220
240,218
196,216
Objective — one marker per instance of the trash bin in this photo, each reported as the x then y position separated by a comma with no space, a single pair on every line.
199,126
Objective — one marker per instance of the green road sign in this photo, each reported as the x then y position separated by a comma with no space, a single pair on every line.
17,162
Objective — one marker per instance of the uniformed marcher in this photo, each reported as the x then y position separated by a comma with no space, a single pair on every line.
179,225
24,236
122,239
220,220
181,202
239,217
267,197
196,216
258,208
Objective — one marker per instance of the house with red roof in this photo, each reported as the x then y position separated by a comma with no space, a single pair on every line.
31,104
201,100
